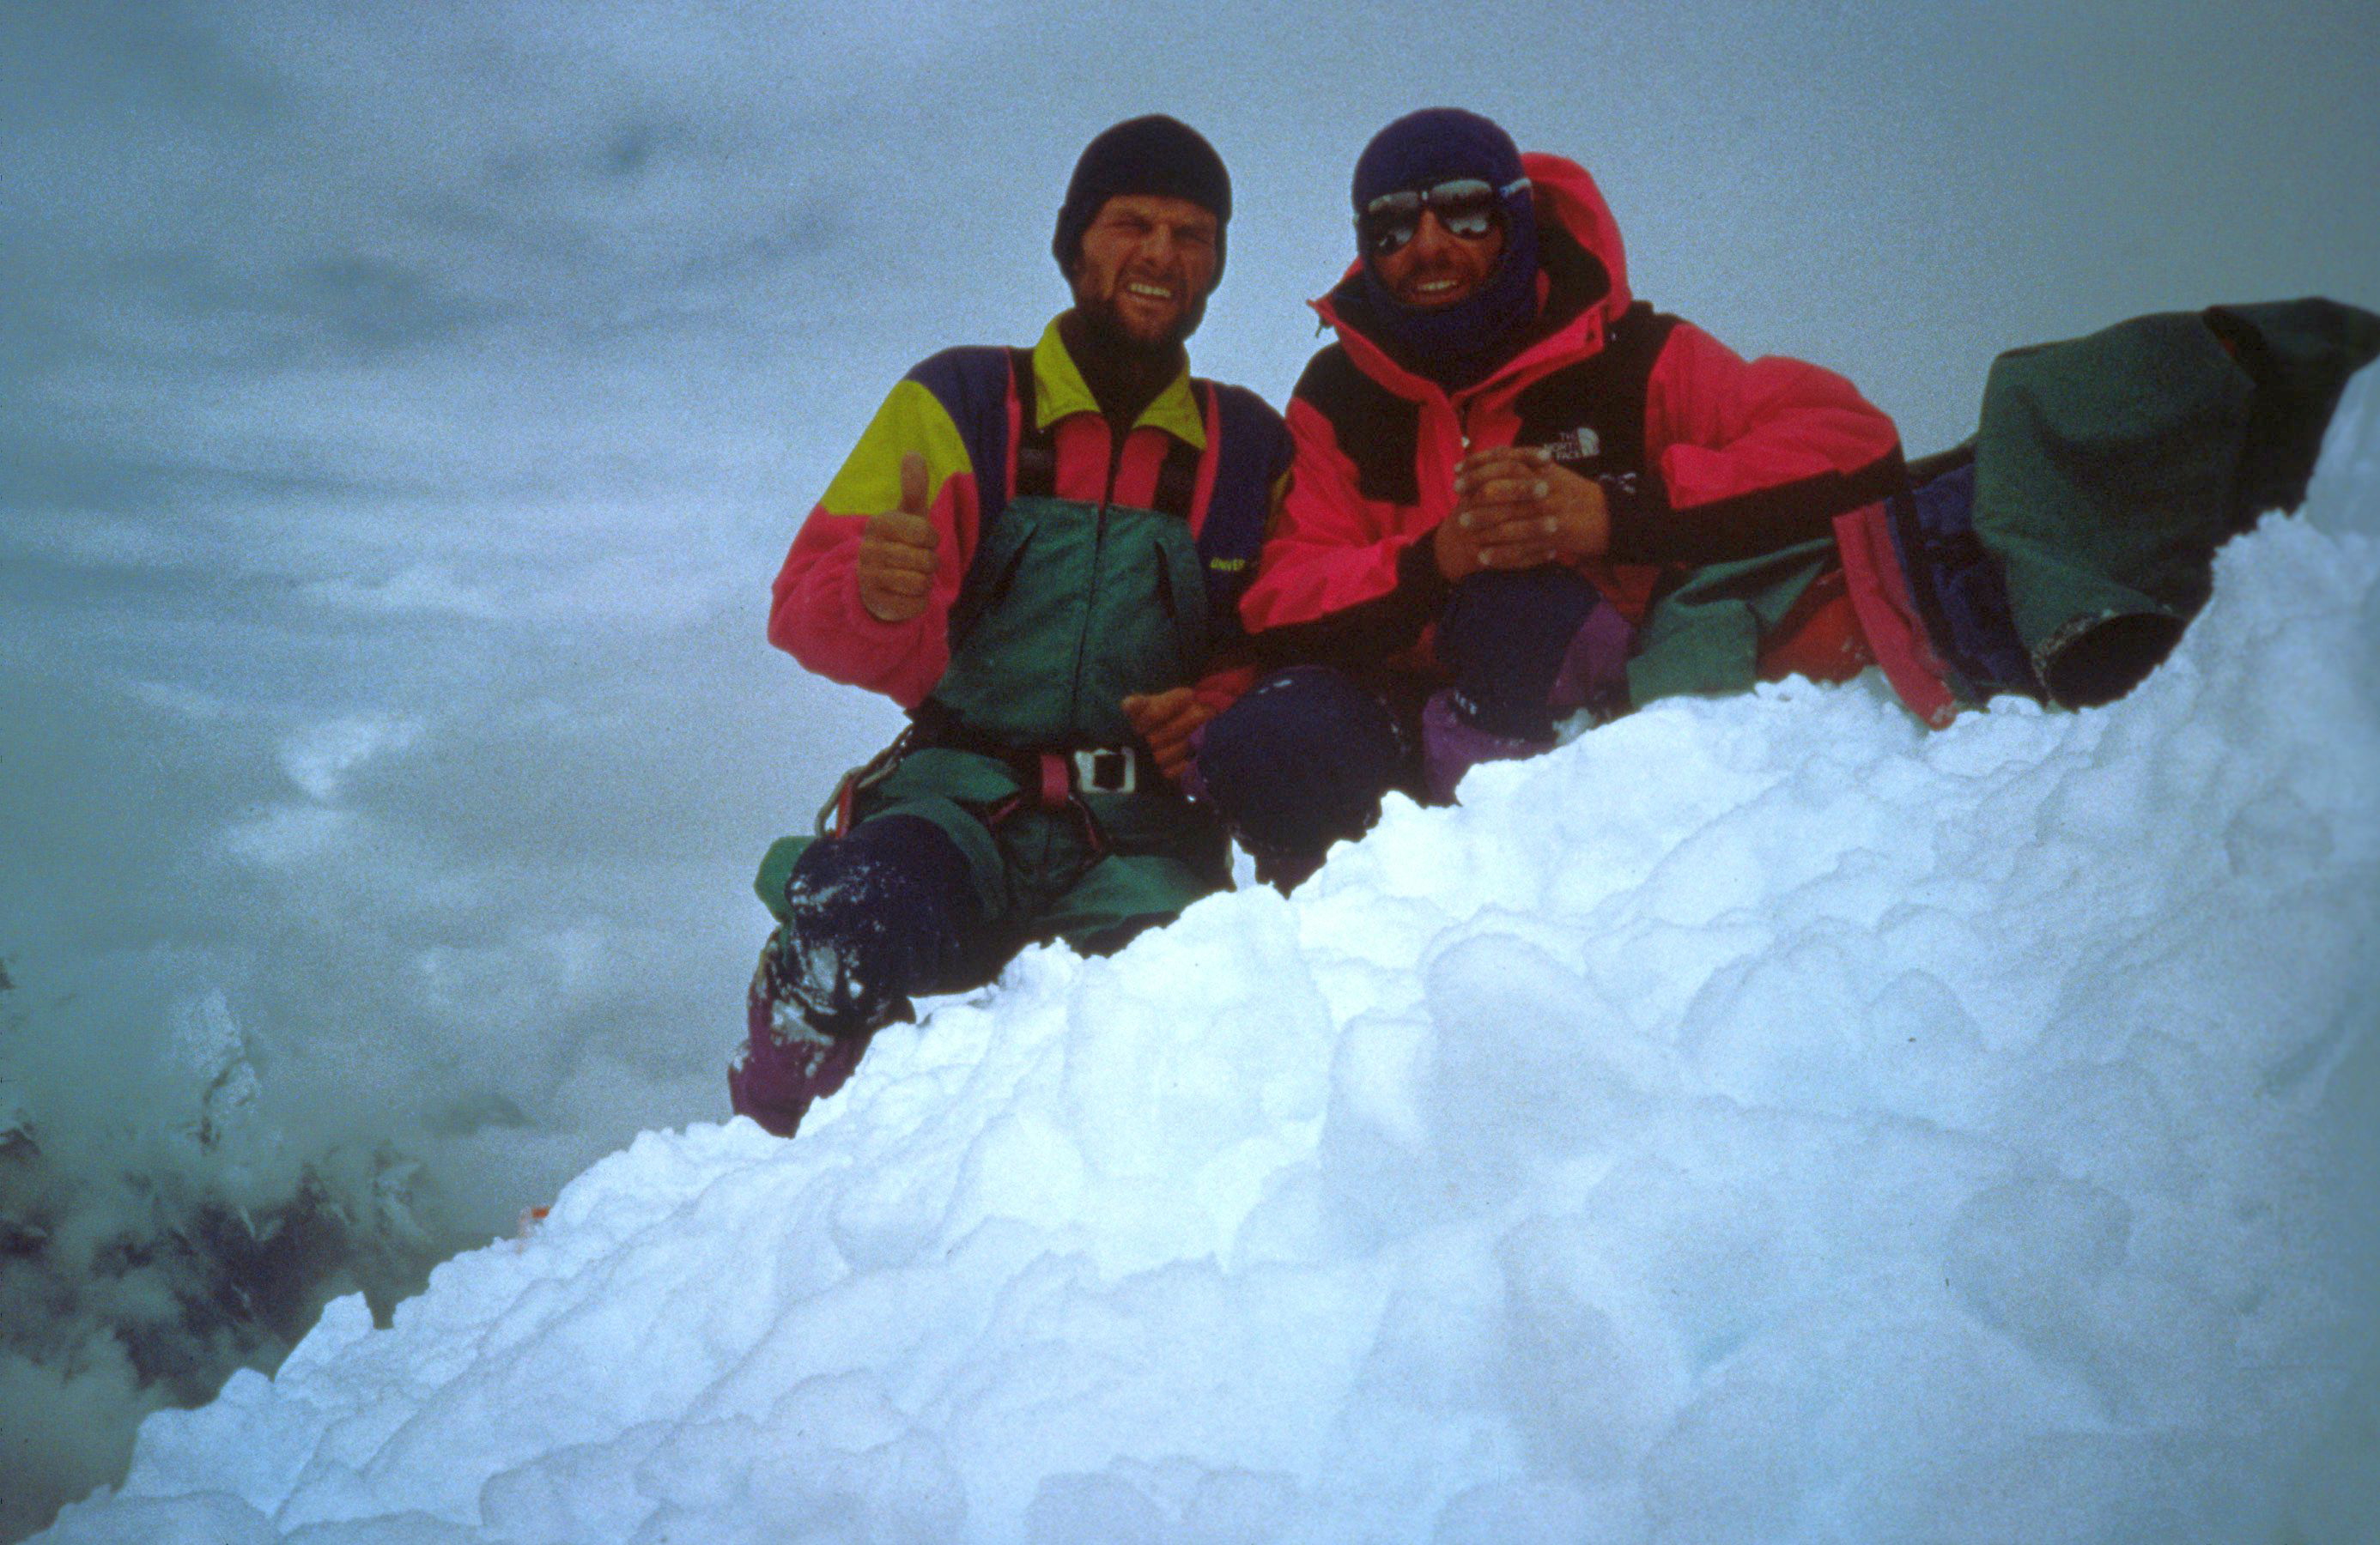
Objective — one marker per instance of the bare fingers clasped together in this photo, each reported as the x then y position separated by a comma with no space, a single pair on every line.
1515,507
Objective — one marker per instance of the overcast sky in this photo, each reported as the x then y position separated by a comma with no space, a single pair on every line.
404,408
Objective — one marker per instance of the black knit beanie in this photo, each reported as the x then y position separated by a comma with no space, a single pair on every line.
1154,154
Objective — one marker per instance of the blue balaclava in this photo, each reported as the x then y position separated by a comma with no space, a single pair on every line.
1459,344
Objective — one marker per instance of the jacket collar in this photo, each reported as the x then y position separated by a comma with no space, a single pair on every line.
1058,390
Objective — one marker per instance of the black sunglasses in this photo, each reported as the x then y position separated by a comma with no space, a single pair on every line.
1467,207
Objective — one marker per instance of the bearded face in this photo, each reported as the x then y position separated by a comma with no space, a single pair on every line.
1147,262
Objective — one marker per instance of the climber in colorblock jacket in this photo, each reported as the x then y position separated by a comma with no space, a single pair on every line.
1520,493
1039,553
1503,463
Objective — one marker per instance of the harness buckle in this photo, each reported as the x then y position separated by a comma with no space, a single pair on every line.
1107,771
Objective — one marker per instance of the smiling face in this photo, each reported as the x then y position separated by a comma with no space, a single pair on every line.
1147,262
1437,268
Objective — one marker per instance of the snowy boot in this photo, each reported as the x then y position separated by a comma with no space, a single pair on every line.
786,1062
871,917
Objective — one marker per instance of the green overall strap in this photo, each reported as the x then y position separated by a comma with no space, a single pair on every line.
1068,606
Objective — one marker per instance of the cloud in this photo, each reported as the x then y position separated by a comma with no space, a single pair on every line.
281,835
319,758
420,587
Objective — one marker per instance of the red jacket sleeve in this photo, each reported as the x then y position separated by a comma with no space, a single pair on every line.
1364,563
815,614
1752,457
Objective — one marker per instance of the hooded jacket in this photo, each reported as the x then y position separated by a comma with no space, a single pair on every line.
1704,457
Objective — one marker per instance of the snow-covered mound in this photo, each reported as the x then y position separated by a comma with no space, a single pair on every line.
1760,1120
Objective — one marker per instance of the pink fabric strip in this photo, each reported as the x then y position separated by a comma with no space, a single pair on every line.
1879,594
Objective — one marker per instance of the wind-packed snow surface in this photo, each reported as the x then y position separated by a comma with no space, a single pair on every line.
1759,1120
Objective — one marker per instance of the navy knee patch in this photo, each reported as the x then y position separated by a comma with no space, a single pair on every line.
1505,634
871,918
1301,761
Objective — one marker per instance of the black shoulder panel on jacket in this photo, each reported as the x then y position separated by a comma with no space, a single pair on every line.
1591,413
1252,450
1376,429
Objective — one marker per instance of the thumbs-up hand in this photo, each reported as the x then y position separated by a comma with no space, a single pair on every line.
896,551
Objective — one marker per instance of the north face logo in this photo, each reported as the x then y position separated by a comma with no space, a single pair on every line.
1582,444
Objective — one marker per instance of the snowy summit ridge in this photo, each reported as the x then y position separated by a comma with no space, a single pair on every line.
1760,1120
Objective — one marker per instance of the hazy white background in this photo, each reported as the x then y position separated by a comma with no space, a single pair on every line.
403,410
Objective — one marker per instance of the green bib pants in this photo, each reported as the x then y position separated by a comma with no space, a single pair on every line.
1067,608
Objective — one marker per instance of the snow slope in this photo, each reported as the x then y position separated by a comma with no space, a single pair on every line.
1759,1120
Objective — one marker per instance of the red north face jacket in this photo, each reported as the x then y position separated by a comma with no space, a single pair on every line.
1704,456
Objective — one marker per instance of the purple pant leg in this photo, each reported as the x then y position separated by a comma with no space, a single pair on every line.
1593,671
1451,745
1524,648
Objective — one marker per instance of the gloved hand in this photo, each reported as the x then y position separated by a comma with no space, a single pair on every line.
1167,720
897,551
